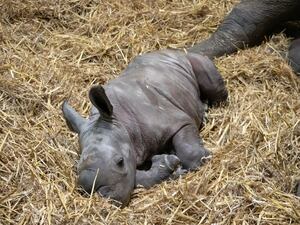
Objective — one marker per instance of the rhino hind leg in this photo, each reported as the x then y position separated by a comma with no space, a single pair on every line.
211,84
162,168
189,148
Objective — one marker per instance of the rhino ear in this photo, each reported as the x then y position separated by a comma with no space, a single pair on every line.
74,121
100,100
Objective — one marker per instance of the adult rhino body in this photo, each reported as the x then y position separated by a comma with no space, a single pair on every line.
155,106
248,23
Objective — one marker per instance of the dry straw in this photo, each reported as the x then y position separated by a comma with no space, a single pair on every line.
55,50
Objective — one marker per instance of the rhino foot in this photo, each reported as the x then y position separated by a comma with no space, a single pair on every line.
163,167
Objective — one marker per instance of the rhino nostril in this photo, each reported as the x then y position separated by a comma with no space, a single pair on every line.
108,192
88,180
104,191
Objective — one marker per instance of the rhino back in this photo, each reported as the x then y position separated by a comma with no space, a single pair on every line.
154,97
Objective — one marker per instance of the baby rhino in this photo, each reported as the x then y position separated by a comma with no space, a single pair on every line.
152,112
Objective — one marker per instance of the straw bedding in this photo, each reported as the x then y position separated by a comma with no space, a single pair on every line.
55,50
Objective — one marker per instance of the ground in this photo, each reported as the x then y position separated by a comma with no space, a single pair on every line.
55,50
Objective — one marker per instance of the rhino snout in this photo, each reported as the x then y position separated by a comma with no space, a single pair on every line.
88,180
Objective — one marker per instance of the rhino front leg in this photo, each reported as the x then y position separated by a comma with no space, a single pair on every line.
162,169
189,148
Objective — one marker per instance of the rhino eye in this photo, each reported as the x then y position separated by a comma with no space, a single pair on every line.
120,162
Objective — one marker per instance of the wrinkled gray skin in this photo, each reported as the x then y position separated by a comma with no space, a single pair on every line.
154,107
247,25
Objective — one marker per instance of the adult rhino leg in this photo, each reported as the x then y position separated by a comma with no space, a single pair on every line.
162,169
246,25
211,84
294,56
189,147
298,189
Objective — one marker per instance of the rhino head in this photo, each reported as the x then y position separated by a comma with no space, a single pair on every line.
107,164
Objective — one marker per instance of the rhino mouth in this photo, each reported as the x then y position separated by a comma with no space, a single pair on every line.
112,196
104,191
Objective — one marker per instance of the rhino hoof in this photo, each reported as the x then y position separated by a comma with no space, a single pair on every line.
172,162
